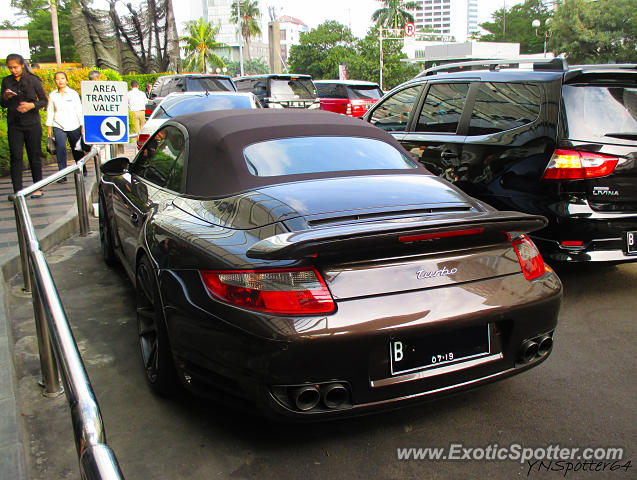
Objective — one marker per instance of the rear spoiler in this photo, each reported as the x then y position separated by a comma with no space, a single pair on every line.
308,243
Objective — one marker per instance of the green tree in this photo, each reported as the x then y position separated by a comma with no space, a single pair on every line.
39,26
322,49
366,64
250,15
253,66
394,14
604,31
514,25
200,46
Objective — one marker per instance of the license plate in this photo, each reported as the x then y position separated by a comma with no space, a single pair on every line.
433,351
631,242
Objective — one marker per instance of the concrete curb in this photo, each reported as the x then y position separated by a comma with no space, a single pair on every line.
12,437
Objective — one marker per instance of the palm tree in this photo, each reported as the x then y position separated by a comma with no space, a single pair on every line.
394,14
200,43
250,15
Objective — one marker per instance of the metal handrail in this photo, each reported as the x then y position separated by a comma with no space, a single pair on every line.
55,338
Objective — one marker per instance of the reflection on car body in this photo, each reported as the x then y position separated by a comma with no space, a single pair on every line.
303,263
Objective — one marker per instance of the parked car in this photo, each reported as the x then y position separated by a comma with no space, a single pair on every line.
187,82
281,90
349,97
176,104
556,141
304,262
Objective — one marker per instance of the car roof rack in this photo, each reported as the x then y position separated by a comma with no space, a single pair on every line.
554,64
604,66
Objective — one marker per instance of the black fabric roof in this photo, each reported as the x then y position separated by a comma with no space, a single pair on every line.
217,167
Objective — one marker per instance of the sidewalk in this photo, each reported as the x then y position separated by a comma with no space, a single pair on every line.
55,219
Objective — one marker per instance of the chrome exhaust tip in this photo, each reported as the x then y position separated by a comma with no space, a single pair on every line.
306,397
528,351
545,344
334,395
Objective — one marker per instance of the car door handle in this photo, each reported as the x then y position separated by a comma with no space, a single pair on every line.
448,155
134,218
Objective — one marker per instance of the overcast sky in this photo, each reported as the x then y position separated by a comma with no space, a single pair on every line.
354,13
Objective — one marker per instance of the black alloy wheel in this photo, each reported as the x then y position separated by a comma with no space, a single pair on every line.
153,337
106,239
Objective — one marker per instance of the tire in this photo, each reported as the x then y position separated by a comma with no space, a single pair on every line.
154,345
106,239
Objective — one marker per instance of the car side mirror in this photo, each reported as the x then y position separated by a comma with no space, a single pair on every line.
115,166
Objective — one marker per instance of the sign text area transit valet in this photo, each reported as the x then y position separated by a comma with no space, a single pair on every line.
105,109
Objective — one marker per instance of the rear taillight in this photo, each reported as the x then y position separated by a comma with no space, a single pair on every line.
141,139
148,111
576,165
294,291
348,109
530,259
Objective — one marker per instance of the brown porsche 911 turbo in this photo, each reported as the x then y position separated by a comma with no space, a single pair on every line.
303,263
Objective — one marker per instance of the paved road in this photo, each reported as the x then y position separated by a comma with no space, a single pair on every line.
583,396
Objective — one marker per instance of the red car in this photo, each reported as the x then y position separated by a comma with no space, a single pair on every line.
349,97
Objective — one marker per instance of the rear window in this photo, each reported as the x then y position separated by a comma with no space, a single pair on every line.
201,84
600,113
352,92
292,88
303,155
183,105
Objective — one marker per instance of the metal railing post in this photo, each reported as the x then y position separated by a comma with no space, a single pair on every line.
24,260
82,210
48,366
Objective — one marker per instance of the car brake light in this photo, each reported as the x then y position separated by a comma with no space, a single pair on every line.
434,236
529,256
148,111
141,139
293,291
576,165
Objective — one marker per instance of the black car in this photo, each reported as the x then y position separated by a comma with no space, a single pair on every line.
281,90
556,141
302,262
187,82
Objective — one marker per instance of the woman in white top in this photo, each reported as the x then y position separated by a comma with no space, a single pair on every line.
64,121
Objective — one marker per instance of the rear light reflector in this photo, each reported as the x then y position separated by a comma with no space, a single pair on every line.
434,236
294,291
576,165
141,139
530,259
572,243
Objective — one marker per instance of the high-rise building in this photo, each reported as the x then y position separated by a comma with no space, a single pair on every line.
291,29
453,18
218,13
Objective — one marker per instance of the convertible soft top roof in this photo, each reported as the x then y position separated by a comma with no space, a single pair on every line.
217,167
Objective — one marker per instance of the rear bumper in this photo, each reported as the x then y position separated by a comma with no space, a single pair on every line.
350,348
603,234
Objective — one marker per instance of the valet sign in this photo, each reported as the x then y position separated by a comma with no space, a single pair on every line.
105,109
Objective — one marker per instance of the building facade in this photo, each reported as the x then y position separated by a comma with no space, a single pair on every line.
291,29
451,18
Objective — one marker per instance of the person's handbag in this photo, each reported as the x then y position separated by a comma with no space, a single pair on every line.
50,145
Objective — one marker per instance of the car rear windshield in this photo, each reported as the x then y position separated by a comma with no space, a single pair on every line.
292,88
338,90
210,84
602,113
185,104
303,155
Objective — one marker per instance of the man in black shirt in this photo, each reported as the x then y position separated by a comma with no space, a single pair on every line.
23,96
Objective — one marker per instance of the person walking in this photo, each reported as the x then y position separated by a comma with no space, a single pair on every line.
137,104
64,119
23,96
